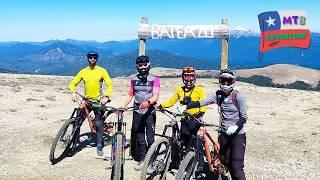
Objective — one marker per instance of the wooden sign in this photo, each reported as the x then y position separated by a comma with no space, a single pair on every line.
155,31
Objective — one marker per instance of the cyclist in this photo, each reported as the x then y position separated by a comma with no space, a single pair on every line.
186,94
93,76
233,115
145,89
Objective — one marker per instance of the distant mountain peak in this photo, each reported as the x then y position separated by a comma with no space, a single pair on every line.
240,31
57,52
240,28
64,47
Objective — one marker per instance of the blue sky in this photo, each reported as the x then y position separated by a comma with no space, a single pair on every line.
103,20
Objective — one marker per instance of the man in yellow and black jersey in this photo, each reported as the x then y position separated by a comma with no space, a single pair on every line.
186,94
93,76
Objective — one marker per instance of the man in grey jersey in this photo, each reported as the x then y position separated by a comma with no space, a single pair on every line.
145,89
233,115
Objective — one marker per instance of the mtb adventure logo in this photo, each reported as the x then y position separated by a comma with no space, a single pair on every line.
283,29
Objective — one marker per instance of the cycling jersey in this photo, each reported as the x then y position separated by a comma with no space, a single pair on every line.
196,94
93,79
230,113
143,91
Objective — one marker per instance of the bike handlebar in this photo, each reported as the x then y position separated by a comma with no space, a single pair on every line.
170,112
87,99
107,108
184,114
120,109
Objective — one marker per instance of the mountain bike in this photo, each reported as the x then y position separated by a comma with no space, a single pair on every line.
67,137
158,157
216,163
118,144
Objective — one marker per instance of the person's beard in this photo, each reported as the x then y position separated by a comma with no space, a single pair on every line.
92,63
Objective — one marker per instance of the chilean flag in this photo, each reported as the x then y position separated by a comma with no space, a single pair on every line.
283,29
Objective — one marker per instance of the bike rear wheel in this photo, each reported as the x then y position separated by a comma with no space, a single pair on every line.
63,140
118,166
188,167
157,160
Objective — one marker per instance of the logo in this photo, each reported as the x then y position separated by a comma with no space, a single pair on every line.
283,29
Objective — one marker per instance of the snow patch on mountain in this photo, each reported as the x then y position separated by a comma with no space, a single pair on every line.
239,31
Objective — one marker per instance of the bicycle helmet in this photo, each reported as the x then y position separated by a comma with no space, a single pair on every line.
143,65
188,76
226,81
92,54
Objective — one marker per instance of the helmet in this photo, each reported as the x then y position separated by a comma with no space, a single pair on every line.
226,81
143,65
188,76
142,59
92,54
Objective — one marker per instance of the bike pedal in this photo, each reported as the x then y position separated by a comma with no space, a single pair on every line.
99,157
106,158
108,168
173,172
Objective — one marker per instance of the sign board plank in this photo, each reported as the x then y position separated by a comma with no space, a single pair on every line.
155,31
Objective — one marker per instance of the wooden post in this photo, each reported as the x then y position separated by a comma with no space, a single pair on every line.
142,46
224,49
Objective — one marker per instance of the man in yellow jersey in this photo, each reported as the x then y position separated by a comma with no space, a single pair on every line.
93,76
186,94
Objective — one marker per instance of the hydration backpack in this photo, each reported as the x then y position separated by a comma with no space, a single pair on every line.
220,98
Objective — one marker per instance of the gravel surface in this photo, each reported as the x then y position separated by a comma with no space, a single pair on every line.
283,130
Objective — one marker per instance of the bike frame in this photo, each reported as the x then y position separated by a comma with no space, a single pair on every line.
175,132
80,114
212,155
214,159
215,162
121,128
173,124
161,165
174,128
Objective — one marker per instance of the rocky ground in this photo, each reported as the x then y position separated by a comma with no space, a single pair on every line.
283,130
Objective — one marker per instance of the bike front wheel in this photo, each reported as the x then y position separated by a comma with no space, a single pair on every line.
188,167
118,166
63,140
156,162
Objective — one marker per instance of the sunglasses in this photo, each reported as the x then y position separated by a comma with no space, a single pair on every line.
188,77
143,65
227,81
92,57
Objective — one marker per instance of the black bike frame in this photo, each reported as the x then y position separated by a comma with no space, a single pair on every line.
79,115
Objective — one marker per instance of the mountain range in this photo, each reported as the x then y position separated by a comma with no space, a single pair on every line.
67,57
277,75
